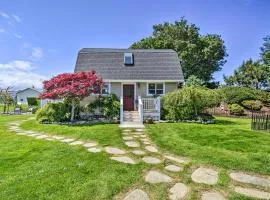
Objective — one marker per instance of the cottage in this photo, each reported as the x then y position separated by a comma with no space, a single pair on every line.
22,95
137,76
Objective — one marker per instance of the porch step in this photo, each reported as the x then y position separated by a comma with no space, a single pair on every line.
131,116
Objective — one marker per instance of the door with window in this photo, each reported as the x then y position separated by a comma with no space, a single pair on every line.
128,97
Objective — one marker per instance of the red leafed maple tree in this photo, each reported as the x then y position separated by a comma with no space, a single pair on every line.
72,87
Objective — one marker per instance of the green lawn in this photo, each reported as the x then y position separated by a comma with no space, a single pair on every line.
105,134
228,144
36,169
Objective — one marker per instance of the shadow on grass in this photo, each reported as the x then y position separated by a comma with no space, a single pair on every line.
224,122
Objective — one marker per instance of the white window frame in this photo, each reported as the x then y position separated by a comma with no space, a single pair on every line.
109,90
147,88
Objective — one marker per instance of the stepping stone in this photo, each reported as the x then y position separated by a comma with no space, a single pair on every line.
151,149
67,140
181,160
127,130
128,138
178,191
136,136
151,160
114,150
143,136
137,133
157,177
94,150
147,143
144,140
49,139
78,142
173,168
205,175
138,152
251,179
132,144
21,133
30,132
126,133
58,137
34,134
252,193
212,196
137,194
124,159
139,129
90,144
41,136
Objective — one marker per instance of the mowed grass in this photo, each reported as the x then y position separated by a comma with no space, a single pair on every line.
228,144
105,134
40,169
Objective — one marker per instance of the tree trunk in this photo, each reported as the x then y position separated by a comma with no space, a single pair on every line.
72,110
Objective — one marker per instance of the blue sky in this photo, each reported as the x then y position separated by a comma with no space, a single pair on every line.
39,39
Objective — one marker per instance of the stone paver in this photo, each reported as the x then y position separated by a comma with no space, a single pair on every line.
41,136
34,134
137,133
127,130
181,160
124,159
132,144
137,194
138,152
78,142
212,196
173,168
94,150
151,149
143,136
139,129
68,140
157,177
136,136
251,179
151,160
252,193
205,175
22,133
147,143
58,137
114,150
127,138
90,144
178,191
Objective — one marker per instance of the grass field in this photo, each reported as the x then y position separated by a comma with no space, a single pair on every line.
228,144
35,169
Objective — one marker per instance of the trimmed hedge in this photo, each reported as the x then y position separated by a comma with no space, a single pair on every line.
252,104
236,109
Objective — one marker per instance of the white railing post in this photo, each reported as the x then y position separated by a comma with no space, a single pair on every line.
121,110
158,107
140,108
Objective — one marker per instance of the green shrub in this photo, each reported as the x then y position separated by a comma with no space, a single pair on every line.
32,101
235,95
53,112
236,109
252,104
188,102
108,105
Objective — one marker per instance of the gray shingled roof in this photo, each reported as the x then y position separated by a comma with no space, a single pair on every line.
149,64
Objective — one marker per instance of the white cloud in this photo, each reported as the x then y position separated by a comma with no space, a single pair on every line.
17,36
16,18
19,74
21,65
2,30
37,52
4,15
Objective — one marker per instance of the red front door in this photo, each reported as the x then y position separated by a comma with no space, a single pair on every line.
128,97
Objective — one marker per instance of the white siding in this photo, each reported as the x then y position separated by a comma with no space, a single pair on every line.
23,95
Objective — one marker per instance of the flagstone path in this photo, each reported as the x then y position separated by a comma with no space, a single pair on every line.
140,149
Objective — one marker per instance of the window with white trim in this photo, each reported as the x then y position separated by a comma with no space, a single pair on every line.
155,88
106,88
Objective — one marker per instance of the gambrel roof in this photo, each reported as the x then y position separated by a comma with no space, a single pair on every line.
149,64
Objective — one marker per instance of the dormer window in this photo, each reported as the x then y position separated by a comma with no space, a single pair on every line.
128,59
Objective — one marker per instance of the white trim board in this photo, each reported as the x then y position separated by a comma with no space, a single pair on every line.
143,81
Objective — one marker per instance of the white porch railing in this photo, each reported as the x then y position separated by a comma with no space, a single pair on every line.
151,104
140,108
121,110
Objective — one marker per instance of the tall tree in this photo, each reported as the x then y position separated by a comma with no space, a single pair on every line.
251,74
72,87
265,50
200,55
